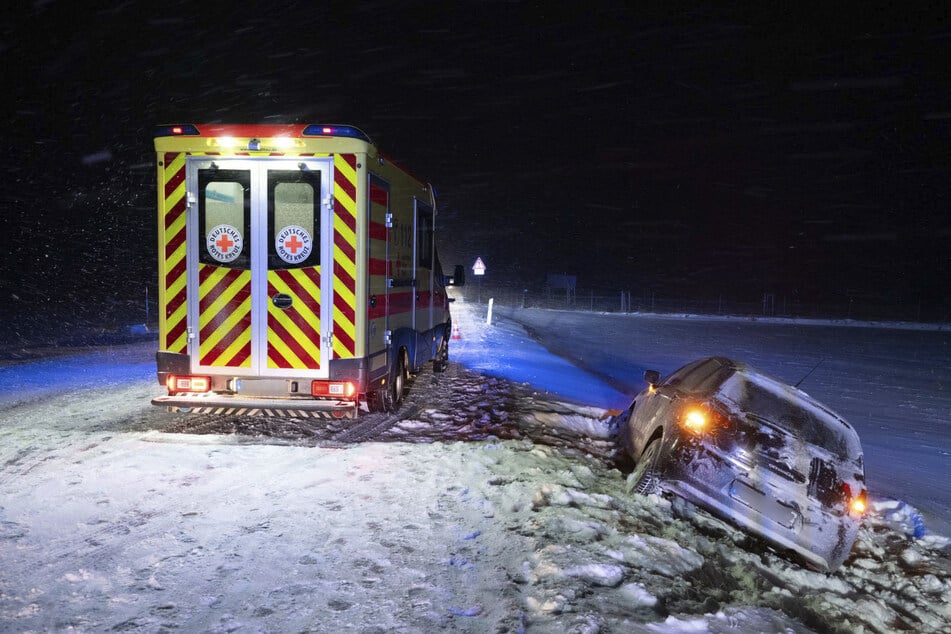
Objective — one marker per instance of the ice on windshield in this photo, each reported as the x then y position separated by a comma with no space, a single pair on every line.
792,410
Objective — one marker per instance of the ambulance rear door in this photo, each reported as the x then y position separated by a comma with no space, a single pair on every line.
259,266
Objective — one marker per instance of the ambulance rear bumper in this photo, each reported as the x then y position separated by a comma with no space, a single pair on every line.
226,405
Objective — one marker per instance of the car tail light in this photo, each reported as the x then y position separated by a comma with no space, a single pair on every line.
701,418
177,384
695,420
335,389
857,505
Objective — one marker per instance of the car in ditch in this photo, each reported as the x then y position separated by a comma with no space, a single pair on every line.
752,450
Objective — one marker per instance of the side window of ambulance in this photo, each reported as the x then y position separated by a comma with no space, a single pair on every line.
224,218
424,236
293,218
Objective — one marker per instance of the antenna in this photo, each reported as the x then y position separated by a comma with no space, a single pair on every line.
810,372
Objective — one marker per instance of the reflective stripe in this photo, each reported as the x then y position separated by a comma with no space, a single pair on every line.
224,316
174,331
294,332
344,255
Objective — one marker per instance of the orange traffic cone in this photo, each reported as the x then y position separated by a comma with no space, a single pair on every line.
455,332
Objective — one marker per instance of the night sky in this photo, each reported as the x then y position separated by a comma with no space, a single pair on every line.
683,150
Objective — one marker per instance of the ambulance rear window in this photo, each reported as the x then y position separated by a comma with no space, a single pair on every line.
294,219
224,216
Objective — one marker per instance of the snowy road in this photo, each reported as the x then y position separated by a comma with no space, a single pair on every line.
489,505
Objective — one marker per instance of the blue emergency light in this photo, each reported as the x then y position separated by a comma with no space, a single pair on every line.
314,129
335,130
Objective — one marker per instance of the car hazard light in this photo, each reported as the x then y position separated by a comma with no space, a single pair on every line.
695,419
699,419
178,384
858,505
334,389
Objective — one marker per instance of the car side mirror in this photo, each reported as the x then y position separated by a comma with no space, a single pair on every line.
652,377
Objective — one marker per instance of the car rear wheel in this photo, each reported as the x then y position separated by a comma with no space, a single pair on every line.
644,478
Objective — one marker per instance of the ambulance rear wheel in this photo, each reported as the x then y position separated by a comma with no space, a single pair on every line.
390,394
376,401
398,381
441,362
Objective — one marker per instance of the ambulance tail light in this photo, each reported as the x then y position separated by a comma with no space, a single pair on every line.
334,389
178,384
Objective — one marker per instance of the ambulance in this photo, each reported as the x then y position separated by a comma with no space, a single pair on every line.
298,274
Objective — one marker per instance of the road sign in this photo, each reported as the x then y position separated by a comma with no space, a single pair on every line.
479,267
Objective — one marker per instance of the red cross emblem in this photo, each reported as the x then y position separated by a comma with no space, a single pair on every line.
294,244
224,243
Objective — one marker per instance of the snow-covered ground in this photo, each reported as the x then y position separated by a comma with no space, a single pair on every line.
491,504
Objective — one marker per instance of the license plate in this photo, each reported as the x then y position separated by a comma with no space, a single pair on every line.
763,504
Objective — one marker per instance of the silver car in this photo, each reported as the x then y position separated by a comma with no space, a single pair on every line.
754,451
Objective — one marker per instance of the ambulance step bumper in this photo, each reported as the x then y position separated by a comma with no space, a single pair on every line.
237,406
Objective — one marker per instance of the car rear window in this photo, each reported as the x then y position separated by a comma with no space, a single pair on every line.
793,411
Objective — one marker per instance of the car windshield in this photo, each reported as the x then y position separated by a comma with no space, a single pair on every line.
791,410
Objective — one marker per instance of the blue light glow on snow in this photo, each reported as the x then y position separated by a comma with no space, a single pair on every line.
100,368
504,350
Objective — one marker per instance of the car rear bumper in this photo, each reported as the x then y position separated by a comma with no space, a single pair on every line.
817,537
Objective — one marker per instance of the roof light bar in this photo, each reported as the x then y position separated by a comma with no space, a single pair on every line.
261,131
177,130
335,130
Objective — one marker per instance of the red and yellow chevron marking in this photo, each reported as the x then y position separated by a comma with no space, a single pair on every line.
174,333
224,318
345,255
380,205
293,334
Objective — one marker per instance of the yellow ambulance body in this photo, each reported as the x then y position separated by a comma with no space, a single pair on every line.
297,272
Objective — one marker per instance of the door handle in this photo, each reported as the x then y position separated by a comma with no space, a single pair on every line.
282,301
